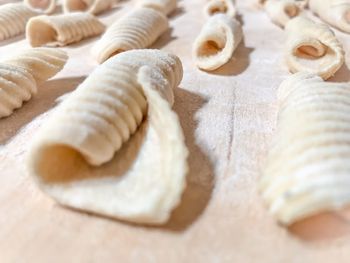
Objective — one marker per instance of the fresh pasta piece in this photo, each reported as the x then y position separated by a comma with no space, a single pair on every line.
43,6
164,6
61,30
220,7
313,48
334,12
114,147
19,75
138,29
90,6
281,11
13,19
308,171
216,42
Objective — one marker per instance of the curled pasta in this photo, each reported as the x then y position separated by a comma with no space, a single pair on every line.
334,12
220,7
13,19
311,174
126,99
61,30
313,48
90,6
138,29
44,6
20,74
281,11
216,42
164,6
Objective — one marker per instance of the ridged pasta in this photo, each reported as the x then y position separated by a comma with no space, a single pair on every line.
90,6
164,6
138,29
42,6
61,30
220,7
20,74
281,11
13,19
308,171
216,42
312,47
95,127
334,12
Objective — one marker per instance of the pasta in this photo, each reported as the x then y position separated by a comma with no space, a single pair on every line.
334,12
90,6
216,42
20,74
220,6
13,19
61,30
281,11
116,140
313,48
44,6
138,29
164,6
311,174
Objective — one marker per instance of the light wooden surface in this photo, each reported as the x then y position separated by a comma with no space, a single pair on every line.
228,117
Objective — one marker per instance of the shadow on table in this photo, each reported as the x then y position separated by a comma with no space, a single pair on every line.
12,40
165,38
44,100
343,75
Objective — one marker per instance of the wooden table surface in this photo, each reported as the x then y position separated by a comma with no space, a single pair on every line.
228,117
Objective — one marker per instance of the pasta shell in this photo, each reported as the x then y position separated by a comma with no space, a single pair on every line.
116,140
312,47
138,29
216,42
281,11
334,12
13,19
220,7
61,30
43,6
307,171
19,75
164,6
90,6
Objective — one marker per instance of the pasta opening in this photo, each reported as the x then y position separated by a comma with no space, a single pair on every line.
39,4
77,5
209,48
217,9
291,10
311,51
41,33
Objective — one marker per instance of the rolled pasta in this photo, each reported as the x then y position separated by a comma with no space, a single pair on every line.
13,19
281,11
164,6
216,42
334,12
61,30
307,171
220,7
90,6
43,6
313,48
116,140
138,29
20,74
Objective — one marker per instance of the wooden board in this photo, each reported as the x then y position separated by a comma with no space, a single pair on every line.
228,117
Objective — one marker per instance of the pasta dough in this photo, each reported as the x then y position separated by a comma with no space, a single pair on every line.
138,29
45,6
334,12
20,74
313,48
281,11
114,146
13,19
216,42
90,6
164,6
307,171
220,6
61,30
